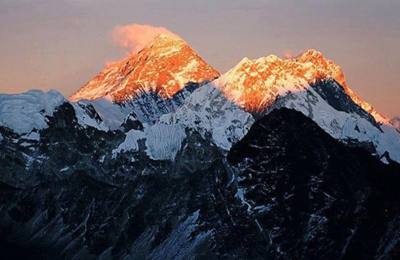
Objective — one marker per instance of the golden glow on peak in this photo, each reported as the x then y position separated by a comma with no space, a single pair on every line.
164,66
255,84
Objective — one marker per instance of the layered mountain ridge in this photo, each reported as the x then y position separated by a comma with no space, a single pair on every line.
286,190
316,87
154,158
160,85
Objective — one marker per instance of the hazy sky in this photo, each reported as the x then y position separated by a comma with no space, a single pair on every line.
60,44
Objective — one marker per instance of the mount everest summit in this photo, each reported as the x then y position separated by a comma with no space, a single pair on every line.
161,157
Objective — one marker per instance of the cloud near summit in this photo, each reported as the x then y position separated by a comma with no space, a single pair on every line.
135,37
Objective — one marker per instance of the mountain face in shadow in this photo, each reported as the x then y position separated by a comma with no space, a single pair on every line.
312,197
287,190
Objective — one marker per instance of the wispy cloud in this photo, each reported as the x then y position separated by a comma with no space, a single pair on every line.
135,37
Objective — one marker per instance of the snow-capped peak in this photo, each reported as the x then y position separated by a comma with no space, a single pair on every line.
164,67
331,70
315,86
253,84
28,111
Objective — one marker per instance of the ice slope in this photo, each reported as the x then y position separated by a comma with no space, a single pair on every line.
207,111
28,111
162,141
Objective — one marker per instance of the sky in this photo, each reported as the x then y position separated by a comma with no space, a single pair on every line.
61,44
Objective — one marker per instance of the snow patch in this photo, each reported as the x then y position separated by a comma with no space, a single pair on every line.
33,136
240,195
182,76
64,169
84,119
130,143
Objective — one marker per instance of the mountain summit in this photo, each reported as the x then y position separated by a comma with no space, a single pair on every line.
255,84
163,67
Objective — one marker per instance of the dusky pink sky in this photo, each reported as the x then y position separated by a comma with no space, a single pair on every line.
48,44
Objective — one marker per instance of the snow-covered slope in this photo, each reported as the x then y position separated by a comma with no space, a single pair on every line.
27,111
87,115
112,114
163,67
130,143
206,111
342,125
162,142
211,114
146,107
315,86
31,111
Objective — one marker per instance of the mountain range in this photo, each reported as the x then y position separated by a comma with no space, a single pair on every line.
160,156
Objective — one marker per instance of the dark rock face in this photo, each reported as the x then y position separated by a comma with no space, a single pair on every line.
78,201
313,197
287,191
149,107
333,93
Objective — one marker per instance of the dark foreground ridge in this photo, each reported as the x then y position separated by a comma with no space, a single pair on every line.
287,191
313,197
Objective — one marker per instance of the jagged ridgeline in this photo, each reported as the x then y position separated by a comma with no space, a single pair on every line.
161,157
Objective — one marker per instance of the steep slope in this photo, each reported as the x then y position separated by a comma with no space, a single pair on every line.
164,67
315,86
312,197
145,107
210,113
147,84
